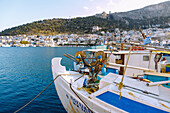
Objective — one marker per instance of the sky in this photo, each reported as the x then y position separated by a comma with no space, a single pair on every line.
18,12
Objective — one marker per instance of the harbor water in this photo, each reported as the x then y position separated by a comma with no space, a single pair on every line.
25,72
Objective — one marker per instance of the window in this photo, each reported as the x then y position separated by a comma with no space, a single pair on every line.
145,58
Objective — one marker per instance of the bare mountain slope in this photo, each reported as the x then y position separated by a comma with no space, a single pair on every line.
157,10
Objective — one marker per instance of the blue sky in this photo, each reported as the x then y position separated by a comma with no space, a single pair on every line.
18,12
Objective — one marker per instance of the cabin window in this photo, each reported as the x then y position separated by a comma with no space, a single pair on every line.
118,59
145,58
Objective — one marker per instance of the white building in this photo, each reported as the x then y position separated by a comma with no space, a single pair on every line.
96,28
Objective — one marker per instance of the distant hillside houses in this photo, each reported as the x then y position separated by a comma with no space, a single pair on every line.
103,15
158,36
96,28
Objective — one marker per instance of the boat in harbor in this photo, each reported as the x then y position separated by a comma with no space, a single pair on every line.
99,85
6,45
151,64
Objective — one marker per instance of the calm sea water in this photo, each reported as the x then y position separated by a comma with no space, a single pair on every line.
24,72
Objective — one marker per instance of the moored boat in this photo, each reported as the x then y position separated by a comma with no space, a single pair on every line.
82,91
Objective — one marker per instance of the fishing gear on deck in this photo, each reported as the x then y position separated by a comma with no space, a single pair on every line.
94,67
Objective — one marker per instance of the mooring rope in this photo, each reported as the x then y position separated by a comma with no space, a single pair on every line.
44,90
121,83
81,99
37,95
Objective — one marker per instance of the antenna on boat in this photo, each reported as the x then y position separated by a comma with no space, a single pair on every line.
143,35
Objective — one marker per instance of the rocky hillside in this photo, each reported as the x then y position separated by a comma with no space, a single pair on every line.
157,10
157,15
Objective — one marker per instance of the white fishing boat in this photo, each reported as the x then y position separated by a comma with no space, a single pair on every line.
6,45
90,89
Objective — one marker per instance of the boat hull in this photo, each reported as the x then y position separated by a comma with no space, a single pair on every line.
77,101
73,104
67,97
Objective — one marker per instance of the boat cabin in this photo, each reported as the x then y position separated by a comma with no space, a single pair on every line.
139,61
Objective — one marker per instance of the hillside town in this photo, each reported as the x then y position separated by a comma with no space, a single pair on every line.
159,37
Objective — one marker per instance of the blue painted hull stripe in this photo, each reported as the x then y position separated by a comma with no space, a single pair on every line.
127,104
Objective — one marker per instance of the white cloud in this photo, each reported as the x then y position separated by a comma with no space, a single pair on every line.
98,8
86,8
91,0
119,5
110,2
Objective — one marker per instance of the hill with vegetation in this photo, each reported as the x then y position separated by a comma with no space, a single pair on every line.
155,15
79,25
54,26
